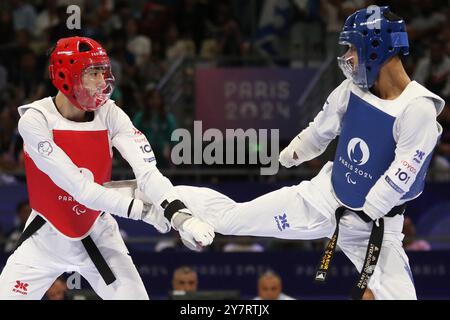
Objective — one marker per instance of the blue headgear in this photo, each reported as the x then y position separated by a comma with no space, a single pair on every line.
376,39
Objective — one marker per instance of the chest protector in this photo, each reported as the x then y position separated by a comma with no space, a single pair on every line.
88,146
367,146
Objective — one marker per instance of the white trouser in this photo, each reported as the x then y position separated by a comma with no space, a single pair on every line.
47,254
306,211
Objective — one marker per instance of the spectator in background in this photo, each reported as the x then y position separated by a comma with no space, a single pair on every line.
429,19
6,27
11,54
270,287
157,125
23,211
411,242
441,160
122,56
10,141
154,20
190,17
57,291
121,13
185,279
433,70
350,6
333,16
137,44
46,19
24,16
154,67
177,47
124,63
7,128
223,35
30,79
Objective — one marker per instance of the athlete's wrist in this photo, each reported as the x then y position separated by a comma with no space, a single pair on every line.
373,212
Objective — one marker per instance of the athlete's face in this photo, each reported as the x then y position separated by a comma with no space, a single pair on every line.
349,64
94,87
351,56
93,79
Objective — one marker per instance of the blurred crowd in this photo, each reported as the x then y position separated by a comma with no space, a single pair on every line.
145,38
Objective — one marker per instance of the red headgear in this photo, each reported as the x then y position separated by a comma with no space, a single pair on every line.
70,60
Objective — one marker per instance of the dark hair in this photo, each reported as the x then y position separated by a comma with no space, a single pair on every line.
183,270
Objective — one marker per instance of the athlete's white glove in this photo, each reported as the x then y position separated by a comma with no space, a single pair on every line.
140,208
194,232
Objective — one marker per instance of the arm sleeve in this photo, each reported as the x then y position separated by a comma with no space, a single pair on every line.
327,124
136,150
64,173
417,135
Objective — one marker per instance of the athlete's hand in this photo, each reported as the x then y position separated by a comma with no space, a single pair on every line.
290,155
194,232
140,208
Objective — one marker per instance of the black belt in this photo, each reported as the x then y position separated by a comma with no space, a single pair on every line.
372,253
34,226
92,250
394,211
371,259
98,260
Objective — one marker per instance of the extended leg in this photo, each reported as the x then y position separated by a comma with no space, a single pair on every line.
281,214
